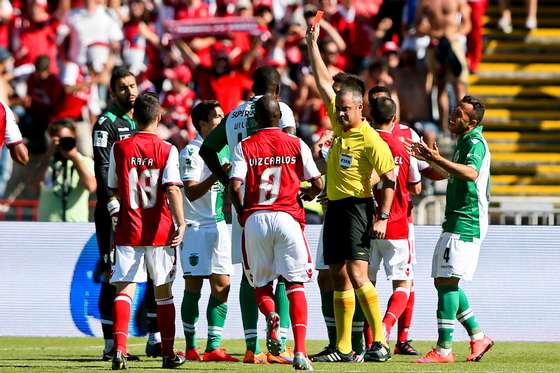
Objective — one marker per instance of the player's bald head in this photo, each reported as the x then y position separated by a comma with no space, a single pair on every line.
267,111
266,79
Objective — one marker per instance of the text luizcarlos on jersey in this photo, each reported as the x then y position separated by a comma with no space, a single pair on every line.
271,161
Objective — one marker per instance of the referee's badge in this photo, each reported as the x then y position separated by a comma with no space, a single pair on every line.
345,160
193,260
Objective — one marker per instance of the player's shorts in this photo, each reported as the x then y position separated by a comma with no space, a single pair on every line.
347,230
319,260
236,239
455,258
206,250
274,245
412,241
132,264
397,259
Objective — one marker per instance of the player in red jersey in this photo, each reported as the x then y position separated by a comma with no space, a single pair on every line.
271,164
395,249
144,172
10,134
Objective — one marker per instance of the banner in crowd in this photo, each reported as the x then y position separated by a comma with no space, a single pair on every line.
50,287
214,26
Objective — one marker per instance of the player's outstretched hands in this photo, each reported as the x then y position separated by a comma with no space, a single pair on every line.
177,237
226,167
305,195
379,228
425,152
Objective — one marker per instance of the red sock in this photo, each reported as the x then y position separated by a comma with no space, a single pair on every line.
298,315
121,318
265,299
368,335
166,322
406,318
397,304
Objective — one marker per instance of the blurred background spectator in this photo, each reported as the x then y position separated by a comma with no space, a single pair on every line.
56,57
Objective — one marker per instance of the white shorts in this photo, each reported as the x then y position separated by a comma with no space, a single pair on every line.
275,246
412,241
455,258
319,259
206,250
236,239
396,256
132,264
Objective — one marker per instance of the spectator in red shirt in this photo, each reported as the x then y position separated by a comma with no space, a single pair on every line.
177,104
44,94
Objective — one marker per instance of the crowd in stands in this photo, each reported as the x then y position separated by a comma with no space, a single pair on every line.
56,57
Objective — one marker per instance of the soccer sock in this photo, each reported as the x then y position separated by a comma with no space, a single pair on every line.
249,315
298,315
265,299
466,317
344,305
327,308
151,306
216,315
121,317
283,309
105,303
358,329
189,314
369,300
406,318
448,304
395,308
166,322
368,335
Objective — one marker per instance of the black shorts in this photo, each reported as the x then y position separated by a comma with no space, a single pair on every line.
347,230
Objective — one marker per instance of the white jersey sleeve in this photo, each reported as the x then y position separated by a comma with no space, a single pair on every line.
413,171
171,171
310,170
239,164
12,134
287,119
112,179
191,164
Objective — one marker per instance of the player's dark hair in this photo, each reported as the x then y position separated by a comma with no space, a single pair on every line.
266,79
118,73
478,107
378,64
267,111
146,109
378,89
201,112
382,110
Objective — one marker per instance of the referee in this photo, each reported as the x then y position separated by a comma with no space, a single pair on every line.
357,150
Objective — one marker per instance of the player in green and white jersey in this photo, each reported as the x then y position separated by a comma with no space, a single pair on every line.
464,228
206,249
237,125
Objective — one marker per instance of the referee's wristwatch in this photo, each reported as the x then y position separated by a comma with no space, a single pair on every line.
383,215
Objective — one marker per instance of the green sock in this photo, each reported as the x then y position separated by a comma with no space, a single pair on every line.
249,315
283,309
327,307
448,304
189,314
358,343
216,314
466,316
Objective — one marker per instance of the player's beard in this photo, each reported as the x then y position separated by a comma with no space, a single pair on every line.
126,104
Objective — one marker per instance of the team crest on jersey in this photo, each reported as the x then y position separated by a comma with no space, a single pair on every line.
193,260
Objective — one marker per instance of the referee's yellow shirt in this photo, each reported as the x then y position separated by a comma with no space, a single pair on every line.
353,156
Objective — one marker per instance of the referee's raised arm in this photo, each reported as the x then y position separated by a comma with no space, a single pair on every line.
321,74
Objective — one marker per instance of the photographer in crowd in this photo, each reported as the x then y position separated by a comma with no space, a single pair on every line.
69,178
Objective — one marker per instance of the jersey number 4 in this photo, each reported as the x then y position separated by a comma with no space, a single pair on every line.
270,185
143,188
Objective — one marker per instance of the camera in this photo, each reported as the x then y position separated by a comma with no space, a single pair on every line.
67,143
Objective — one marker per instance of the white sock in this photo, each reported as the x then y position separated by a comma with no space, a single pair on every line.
443,351
478,336
154,338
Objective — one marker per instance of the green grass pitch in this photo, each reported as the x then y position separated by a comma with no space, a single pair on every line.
82,354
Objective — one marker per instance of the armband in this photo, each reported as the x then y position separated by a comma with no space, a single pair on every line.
389,184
